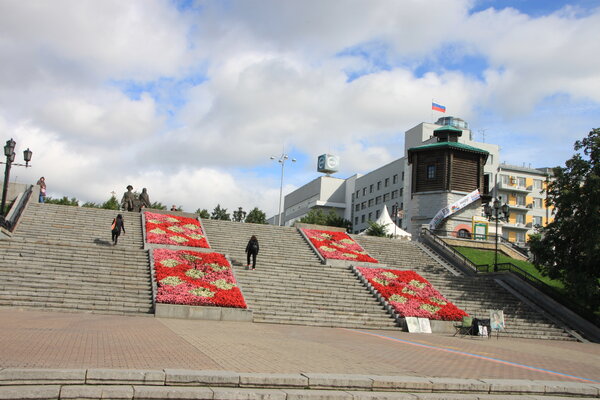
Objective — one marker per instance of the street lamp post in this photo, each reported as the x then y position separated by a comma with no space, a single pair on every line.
239,215
282,158
496,212
9,152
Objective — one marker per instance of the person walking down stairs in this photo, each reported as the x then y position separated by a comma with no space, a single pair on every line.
117,227
42,184
252,250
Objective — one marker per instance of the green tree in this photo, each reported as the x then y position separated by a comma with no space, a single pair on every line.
318,217
376,229
203,213
157,205
220,213
111,204
256,216
65,201
90,204
568,248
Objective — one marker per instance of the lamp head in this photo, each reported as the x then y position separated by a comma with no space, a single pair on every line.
9,148
27,156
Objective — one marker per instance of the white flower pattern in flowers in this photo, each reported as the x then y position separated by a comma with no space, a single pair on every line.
170,263
202,292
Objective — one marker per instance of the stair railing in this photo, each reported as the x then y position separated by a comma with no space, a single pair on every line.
450,253
12,217
542,287
514,246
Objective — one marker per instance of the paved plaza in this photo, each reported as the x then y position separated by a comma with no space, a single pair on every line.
38,339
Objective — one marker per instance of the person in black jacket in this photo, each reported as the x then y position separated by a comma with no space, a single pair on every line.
252,250
117,227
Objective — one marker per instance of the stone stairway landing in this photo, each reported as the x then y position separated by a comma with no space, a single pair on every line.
60,258
476,295
290,285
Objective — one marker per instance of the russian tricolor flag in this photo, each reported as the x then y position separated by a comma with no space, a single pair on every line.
438,107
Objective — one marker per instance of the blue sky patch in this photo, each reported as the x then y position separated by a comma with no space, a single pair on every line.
535,8
375,54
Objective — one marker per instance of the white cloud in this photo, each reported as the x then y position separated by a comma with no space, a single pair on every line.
274,78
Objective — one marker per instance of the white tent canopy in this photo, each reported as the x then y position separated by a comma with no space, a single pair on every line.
389,226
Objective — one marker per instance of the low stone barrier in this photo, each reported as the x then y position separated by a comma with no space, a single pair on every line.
17,383
204,313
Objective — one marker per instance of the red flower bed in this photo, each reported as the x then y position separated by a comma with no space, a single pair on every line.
174,230
194,278
411,295
337,246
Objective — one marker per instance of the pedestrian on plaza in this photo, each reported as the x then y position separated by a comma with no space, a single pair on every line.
42,184
252,250
117,227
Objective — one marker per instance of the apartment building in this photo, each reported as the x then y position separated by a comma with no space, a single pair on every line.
522,188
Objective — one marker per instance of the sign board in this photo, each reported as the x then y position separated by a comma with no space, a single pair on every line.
497,320
328,163
453,208
418,325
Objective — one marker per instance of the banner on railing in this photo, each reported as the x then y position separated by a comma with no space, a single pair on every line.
454,207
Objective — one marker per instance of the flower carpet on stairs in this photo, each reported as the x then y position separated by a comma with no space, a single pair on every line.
174,230
192,278
411,295
337,246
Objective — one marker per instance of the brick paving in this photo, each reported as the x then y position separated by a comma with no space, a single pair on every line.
38,339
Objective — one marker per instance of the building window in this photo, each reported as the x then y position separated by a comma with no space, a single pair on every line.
357,192
379,185
521,237
394,194
395,179
364,191
505,179
521,182
520,218
401,192
362,219
355,220
463,233
537,221
371,188
377,199
370,216
537,203
521,200
402,206
352,196
431,171
537,184
386,197
357,207
387,182
363,205
377,214
370,202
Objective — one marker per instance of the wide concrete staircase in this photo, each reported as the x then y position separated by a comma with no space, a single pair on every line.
476,295
61,258
290,285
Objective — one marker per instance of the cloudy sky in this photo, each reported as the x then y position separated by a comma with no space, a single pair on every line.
190,98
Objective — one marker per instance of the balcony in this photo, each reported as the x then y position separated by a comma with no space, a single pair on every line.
516,225
512,187
521,207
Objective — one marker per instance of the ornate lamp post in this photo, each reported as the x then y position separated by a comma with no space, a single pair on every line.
9,152
239,215
497,213
282,158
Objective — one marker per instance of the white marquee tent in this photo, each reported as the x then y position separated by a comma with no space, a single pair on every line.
390,227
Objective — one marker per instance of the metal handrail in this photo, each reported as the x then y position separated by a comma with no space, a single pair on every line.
487,236
426,233
542,286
